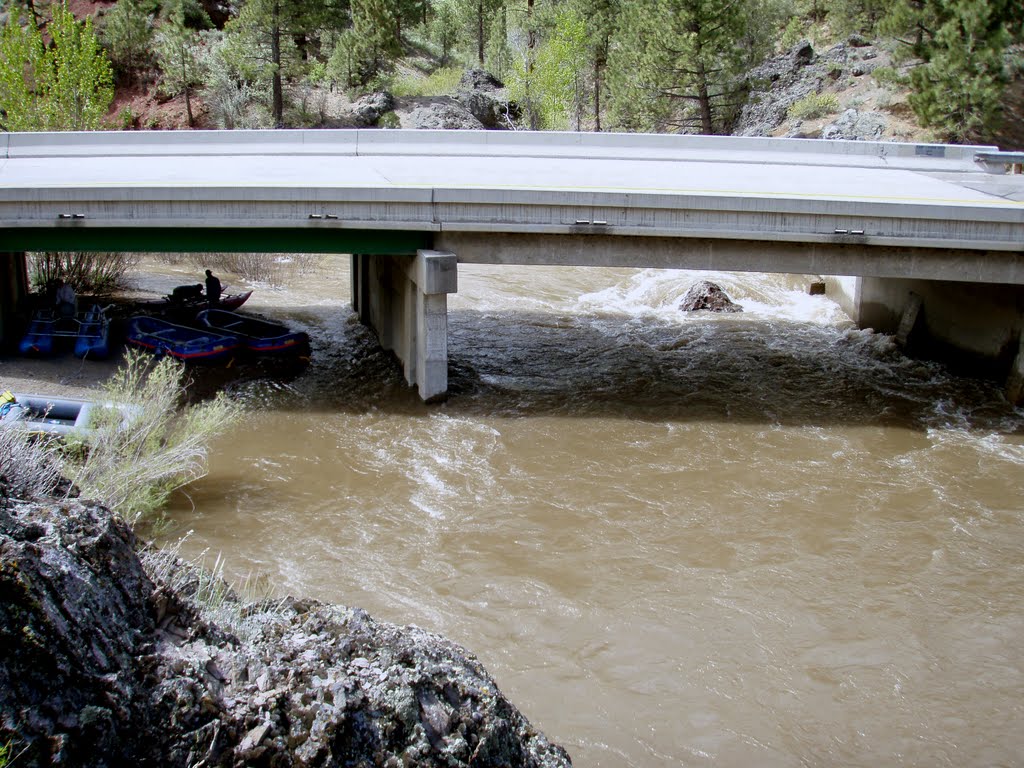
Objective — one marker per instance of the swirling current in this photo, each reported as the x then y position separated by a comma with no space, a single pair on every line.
765,538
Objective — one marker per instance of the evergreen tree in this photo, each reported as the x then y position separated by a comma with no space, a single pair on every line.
128,34
477,18
444,30
677,65
261,44
66,86
600,17
375,26
959,87
177,54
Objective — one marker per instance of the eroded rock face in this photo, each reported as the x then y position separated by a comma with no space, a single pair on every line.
856,126
368,109
448,115
709,296
484,96
108,661
74,615
781,81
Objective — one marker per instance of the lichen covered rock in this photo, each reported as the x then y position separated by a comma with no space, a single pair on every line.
113,660
444,115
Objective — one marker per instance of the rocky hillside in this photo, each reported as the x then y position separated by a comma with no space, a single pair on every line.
851,90
830,94
115,659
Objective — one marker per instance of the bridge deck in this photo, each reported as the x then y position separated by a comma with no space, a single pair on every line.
798,191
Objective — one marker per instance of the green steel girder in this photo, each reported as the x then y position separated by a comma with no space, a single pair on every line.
215,239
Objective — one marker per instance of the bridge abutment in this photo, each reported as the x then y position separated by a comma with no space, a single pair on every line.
405,300
974,327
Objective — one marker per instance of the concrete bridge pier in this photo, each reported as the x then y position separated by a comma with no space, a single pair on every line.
405,300
975,327
13,290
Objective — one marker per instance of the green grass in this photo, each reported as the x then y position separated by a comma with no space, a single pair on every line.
814,105
440,82
8,754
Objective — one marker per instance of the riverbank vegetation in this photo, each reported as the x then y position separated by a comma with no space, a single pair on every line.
649,65
141,447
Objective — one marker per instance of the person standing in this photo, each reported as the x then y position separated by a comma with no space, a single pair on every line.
65,299
212,289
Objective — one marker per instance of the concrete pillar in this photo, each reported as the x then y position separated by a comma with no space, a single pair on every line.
361,286
13,291
406,302
976,328
1015,381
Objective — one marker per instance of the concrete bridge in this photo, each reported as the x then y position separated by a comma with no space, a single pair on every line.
927,236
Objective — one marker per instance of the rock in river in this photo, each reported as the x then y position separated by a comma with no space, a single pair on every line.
709,296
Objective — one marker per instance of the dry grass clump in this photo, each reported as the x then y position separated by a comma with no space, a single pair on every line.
244,610
29,467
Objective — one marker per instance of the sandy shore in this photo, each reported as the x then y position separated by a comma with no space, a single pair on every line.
61,376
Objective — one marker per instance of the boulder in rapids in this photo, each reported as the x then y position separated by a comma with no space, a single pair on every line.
709,296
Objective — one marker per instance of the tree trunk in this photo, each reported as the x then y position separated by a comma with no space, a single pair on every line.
480,32
531,35
704,101
597,94
531,45
275,56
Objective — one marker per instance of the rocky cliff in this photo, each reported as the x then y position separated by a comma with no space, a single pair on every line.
111,658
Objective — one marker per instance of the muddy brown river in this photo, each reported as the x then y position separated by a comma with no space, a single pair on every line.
727,540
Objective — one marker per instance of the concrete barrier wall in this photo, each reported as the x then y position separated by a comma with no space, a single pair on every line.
920,157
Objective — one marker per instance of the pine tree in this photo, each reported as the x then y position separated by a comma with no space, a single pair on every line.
677,64
375,25
600,17
176,50
128,34
444,30
958,89
263,43
477,19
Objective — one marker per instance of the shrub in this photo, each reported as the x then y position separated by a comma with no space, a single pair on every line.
793,33
814,105
440,82
389,120
29,467
229,606
86,272
888,77
132,464
258,267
